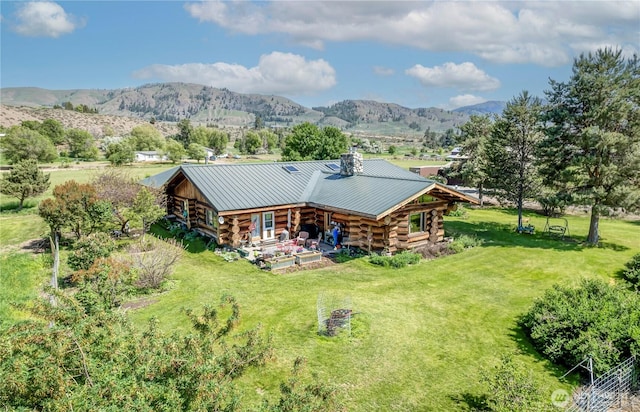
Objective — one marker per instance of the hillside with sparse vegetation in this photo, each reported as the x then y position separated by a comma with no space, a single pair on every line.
172,102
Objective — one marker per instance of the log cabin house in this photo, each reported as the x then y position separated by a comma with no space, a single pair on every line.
379,205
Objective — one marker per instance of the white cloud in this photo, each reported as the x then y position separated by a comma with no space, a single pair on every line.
44,19
541,32
465,100
276,73
464,76
383,71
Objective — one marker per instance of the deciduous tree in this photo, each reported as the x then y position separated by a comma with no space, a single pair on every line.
25,180
148,206
333,143
249,143
218,141
53,130
62,358
308,142
81,144
175,151
120,153
23,143
196,151
146,137
592,145
75,206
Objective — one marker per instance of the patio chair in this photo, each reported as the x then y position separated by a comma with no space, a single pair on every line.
302,238
313,242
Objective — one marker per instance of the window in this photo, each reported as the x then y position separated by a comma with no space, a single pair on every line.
416,222
211,218
291,169
334,167
268,228
185,208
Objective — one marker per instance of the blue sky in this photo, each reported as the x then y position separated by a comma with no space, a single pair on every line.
418,54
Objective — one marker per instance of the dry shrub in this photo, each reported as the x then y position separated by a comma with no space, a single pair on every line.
153,260
436,250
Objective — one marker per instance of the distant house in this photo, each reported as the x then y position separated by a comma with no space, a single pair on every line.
379,205
426,171
210,153
150,156
456,154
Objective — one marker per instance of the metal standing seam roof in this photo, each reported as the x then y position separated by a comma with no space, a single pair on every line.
258,185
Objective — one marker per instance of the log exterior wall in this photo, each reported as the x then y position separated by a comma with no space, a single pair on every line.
390,233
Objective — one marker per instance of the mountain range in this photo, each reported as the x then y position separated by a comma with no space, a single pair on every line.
171,102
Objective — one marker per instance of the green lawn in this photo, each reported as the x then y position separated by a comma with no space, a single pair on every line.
422,334
22,276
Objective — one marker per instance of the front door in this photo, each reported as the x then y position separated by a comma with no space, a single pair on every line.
268,225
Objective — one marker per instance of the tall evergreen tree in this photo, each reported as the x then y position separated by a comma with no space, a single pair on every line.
592,145
511,151
25,180
473,137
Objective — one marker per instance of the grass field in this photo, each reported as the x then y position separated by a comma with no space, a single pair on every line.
22,277
422,334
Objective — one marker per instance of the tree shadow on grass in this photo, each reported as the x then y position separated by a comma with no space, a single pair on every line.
501,234
193,243
13,206
470,402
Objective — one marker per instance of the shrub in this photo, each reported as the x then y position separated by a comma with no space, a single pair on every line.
595,319
398,260
212,245
512,388
90,248
230,256
459,211
379,260
632,271
177,230
464,242
104,284
436,250
404,259
345,255
153,261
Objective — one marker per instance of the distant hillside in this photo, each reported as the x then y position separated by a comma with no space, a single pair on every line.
390,118
171,102
490,107
93,123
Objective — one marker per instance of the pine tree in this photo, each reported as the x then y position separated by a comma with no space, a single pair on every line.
592,146
473,137
511,151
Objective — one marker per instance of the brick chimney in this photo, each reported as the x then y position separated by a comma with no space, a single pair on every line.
351,163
